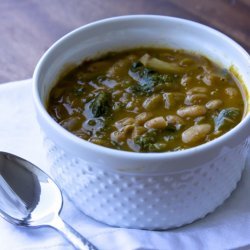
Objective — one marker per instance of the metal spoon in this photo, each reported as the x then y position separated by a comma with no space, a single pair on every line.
29,197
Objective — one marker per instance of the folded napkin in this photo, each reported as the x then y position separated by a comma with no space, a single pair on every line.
227,228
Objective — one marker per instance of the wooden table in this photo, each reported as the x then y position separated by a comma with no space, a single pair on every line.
29,27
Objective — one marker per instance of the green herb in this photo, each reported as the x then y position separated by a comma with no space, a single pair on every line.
145,141
101,104
148,142
227,118
148,79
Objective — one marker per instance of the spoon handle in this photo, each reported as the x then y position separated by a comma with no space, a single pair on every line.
71,235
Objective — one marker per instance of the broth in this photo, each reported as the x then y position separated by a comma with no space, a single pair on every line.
147,100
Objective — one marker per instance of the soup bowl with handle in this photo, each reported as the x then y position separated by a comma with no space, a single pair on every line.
142,190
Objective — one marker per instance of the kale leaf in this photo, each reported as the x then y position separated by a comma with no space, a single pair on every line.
101,104
227,118
148,79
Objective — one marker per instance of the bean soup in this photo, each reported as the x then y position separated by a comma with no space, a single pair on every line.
147,100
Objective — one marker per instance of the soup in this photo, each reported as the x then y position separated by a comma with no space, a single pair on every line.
147,100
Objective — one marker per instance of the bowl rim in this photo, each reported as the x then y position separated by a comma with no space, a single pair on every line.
70,137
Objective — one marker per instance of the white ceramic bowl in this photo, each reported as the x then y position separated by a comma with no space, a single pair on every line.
142,190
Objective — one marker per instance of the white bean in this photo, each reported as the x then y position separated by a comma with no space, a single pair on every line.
186,80
156,123
172,99
152,102
195,98
142,118
138,130
197,90
196,133
118,136
231,92
123,122
119,66
128,129
121,135
71,123
174,119
209,78
214,104
192,111
187,62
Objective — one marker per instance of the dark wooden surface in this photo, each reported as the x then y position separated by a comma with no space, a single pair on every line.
29,27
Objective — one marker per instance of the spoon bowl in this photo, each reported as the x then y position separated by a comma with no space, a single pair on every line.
29,197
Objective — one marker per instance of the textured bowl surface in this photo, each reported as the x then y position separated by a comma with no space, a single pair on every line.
147,201
142,190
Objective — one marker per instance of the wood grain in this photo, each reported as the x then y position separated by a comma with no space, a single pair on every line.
227,16
29,27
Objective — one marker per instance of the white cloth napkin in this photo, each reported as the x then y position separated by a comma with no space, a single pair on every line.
227,228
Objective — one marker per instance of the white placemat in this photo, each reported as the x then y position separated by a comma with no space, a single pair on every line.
227,228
